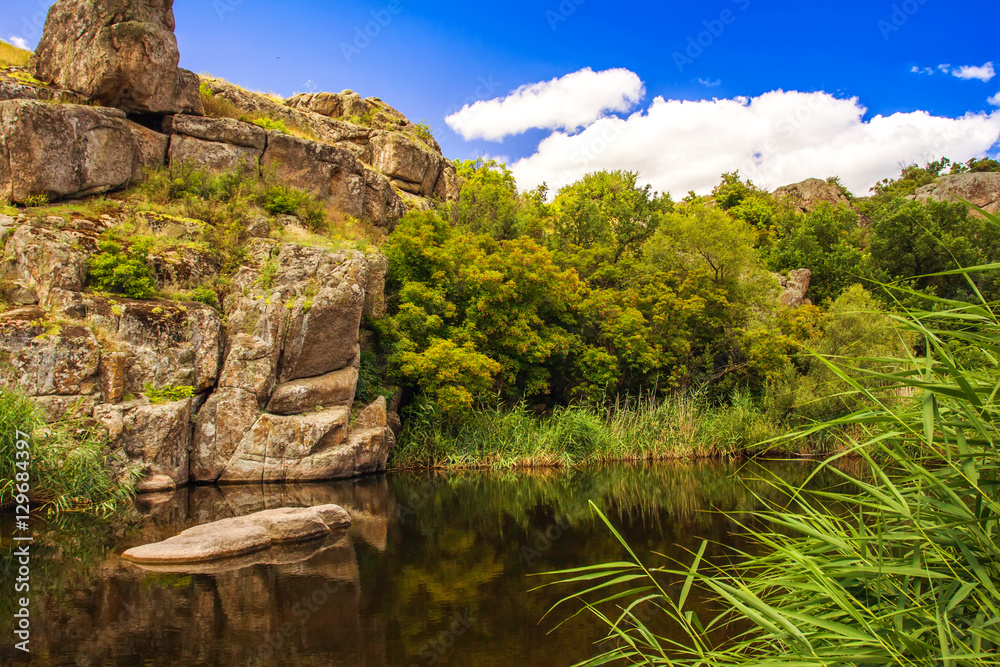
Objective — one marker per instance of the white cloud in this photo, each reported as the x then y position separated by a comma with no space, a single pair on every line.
19,42
983,73
995,100
944,68
922,70
709,84
568,103
777,138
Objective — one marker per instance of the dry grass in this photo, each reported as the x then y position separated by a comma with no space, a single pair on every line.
10,55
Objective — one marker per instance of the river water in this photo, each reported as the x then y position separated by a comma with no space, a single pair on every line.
435,570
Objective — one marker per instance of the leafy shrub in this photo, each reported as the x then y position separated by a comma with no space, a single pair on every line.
36,200
120,272
282,200
369,380
168,394
200,294
423,131
271,124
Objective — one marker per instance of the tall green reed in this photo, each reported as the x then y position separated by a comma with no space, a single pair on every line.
70,468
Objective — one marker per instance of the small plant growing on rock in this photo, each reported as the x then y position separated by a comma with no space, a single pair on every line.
423,132
168,394
120,272
271,124
267,273
32,201
200,294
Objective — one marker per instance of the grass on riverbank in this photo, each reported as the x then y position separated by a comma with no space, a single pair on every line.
677,427
65,466
906,572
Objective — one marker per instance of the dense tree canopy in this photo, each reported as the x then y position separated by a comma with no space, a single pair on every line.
614,290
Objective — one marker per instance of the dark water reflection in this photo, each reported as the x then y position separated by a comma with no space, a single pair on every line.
434,570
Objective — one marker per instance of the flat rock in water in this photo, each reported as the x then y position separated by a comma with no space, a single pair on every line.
241,536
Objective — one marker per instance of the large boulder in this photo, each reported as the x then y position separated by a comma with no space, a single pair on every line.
62,150
239,536
980,189
411,163
293,448
224,130
810,193
156,437
298,396
121,53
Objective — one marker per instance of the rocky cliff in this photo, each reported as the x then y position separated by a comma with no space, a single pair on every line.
262,388
270,379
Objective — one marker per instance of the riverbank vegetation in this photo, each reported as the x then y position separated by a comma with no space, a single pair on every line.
65,466
904,573
528,332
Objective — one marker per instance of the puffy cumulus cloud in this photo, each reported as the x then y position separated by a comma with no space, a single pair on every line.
19,42
568,103
983,72
777,138
995,100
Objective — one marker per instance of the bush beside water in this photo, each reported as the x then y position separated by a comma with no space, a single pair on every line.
71,469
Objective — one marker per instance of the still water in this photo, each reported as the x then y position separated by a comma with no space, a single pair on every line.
435,569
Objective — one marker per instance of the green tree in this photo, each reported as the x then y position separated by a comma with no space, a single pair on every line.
452,376
487,202
609,208
911,240
828,241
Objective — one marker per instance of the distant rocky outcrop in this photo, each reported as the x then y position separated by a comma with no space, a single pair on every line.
980,189
121,53
273,375
808,194
794,287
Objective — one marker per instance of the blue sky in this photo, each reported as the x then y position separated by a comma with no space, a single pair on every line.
429,59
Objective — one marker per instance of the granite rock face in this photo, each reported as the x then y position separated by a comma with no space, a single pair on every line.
979,189
270,380
290,370
794,287
62,150
121,53
810,193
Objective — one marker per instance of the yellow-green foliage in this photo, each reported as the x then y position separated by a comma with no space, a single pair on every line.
168,394
11,55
